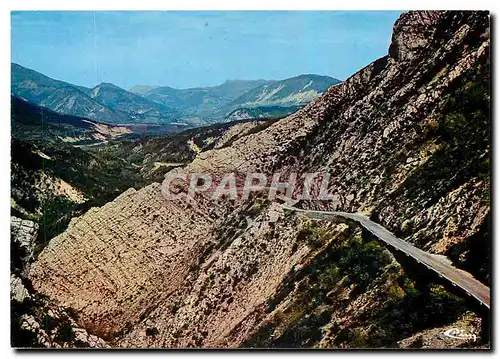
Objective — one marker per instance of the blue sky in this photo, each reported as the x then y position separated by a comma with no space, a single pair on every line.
190,49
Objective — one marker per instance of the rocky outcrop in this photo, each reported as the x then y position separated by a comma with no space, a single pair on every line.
18,291
23,242
465,332
398,141
23,232
413,33
48,326
148,243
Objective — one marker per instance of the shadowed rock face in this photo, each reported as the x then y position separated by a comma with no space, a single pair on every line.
398,140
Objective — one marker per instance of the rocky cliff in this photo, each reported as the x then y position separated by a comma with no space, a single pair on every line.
406,140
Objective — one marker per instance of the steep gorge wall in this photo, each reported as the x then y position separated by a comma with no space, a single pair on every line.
205,273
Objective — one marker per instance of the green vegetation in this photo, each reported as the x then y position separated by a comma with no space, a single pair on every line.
414,309
65,333
352,262
356,266
144,151
55,217
362,261
265,123
461,135
258,205
314,235
100,173
478,253
99,179
288,212
310,235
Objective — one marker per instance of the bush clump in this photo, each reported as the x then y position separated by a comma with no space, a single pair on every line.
152,331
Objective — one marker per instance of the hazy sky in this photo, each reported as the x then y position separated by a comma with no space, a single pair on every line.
189,49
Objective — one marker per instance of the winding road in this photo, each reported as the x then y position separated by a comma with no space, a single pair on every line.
439,264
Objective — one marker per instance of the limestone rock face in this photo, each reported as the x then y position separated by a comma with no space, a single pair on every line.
24,233
412,33
146,243
143,271
18,291
23,236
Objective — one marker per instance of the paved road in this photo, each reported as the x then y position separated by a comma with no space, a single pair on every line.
438,264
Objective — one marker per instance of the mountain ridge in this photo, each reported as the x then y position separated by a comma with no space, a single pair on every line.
251,93
57,95
137,108
294,91
109,103
66,98
201,101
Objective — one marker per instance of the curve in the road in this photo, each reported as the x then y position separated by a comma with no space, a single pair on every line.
438,264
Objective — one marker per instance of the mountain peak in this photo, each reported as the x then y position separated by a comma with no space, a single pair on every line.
109,85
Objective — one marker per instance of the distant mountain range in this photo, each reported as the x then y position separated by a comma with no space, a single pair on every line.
137,108
201,101
109,103
104,103
277,98
289,92
248,97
